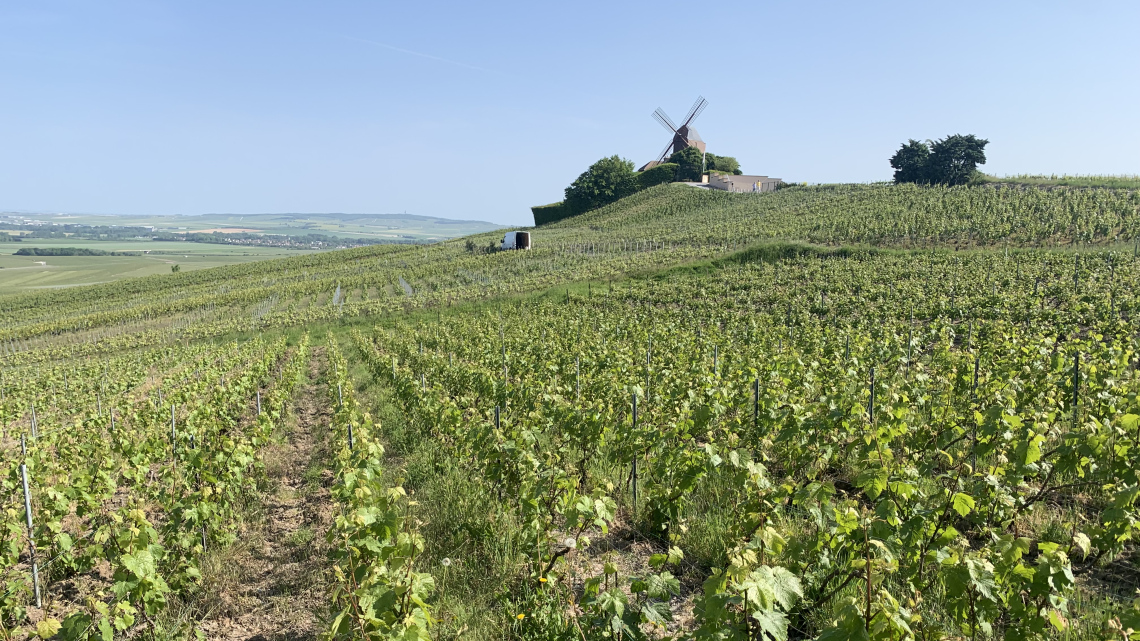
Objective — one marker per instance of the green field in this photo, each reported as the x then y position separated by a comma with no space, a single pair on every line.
23,273
866,412
19,273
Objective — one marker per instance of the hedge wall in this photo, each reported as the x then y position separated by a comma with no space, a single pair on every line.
662,173
549,213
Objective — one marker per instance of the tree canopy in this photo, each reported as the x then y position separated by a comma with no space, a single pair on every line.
727,164
953,160
606,181
910,162
690,164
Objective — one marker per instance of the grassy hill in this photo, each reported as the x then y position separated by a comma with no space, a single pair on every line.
660,227
785,412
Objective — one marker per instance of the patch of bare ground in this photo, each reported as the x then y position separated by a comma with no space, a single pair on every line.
1116,579
629,552
271,583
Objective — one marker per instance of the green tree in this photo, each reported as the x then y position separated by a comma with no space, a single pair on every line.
952,160
605,181
955,159
910,162
690,164
727,164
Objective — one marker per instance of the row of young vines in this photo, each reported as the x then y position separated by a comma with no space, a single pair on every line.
906,446
126,494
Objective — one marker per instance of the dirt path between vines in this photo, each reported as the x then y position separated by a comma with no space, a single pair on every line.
270,585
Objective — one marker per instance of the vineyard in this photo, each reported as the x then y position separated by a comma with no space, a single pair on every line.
836,412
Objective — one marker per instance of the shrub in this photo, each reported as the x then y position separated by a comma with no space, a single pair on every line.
662,173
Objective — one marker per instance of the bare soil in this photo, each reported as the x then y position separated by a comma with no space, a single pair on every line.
271,584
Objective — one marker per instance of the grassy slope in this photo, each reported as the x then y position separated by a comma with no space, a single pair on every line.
660,227
699,232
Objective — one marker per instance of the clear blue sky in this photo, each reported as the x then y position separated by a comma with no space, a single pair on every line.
479,110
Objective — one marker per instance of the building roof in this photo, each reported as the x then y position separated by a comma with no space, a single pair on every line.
745,179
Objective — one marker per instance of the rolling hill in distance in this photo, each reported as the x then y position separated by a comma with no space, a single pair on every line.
393,227
222,239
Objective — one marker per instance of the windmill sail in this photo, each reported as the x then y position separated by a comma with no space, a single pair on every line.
683,136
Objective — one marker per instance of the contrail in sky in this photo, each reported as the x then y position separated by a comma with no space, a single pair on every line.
417,53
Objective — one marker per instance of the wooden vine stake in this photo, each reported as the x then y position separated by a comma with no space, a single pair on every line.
647,364
578,379
867,553
756,403
1076,385
634,470
871,405
31,535
974,395
500,488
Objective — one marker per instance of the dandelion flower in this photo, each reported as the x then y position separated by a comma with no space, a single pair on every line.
520,616
542,579
446,562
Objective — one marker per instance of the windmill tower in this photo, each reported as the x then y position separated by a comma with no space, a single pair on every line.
684,136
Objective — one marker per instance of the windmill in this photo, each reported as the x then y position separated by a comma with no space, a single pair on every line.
684,136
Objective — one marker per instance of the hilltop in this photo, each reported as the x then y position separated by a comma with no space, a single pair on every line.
660,227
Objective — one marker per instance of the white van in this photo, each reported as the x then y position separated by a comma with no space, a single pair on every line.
516,240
